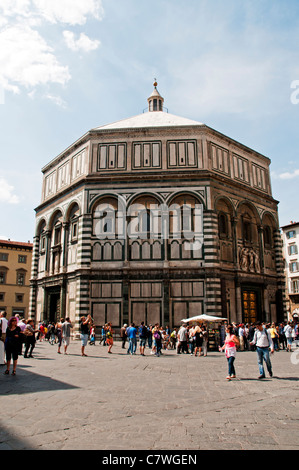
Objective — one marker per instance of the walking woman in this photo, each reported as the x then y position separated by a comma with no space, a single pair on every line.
230,347
58,333
109,337
12,344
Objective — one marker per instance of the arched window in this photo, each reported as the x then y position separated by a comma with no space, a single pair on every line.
184,217
267,237
223,225
144,219
107,219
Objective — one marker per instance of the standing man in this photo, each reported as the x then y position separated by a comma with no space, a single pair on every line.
288,334
142,338
183,340
132,332
66,333
262,340
241,337
123,335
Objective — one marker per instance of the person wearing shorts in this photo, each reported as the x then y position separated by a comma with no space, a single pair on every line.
66,333
142,338
84,332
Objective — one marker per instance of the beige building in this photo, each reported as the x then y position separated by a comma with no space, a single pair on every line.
290,236
157,218
15,272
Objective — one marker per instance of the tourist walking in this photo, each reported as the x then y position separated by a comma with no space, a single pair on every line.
231,343
198,336
12,344
282,337
29,334
84,332
142,338
109,337
150,336
157,340
103,338
123,335
205,340
241,333
92,340
262,340
274,336
288,334
66,333
58,333
191,339
3,327
173,338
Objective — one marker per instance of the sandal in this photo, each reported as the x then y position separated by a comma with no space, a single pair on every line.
13,372
6,372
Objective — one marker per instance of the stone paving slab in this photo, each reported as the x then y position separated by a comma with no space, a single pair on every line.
173,402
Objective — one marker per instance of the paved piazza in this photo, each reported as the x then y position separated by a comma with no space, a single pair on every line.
173,402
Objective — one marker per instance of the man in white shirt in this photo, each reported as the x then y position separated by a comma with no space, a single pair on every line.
263,341
183,340
288,334
66,333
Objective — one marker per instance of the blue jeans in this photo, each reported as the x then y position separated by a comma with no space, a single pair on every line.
231,367
132,345
263,355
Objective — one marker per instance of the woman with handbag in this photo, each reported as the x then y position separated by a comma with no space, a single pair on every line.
29,334
12,344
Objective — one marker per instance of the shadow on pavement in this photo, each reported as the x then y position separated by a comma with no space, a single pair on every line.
26,381
11,442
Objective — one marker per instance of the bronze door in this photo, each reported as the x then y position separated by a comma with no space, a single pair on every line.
250,306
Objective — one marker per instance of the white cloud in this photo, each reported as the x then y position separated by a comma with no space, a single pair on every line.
289,175
26,58
57,100
7,193
73,12
84,43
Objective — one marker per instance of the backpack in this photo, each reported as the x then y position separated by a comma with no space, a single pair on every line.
157,335
143,332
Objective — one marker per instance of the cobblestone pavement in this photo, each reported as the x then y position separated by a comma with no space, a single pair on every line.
173,402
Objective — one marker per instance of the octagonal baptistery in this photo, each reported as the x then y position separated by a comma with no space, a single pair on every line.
157,218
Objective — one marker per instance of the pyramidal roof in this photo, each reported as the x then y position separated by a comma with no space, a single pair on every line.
154,117
151,119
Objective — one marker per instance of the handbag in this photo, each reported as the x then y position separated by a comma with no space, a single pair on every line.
27,332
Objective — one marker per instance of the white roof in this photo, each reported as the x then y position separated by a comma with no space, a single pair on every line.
150,119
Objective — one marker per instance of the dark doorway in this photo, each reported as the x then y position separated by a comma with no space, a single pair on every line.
53,305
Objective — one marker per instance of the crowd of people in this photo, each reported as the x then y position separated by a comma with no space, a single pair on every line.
186,339
17,333
282,334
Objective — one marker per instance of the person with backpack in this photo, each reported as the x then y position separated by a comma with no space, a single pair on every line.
157,340
142,337
263,341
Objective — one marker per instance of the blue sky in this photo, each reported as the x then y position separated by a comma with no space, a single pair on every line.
67,66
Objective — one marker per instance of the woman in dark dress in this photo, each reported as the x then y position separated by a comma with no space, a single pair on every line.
12,344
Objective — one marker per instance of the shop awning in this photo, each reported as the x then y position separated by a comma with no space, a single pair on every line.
203,318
